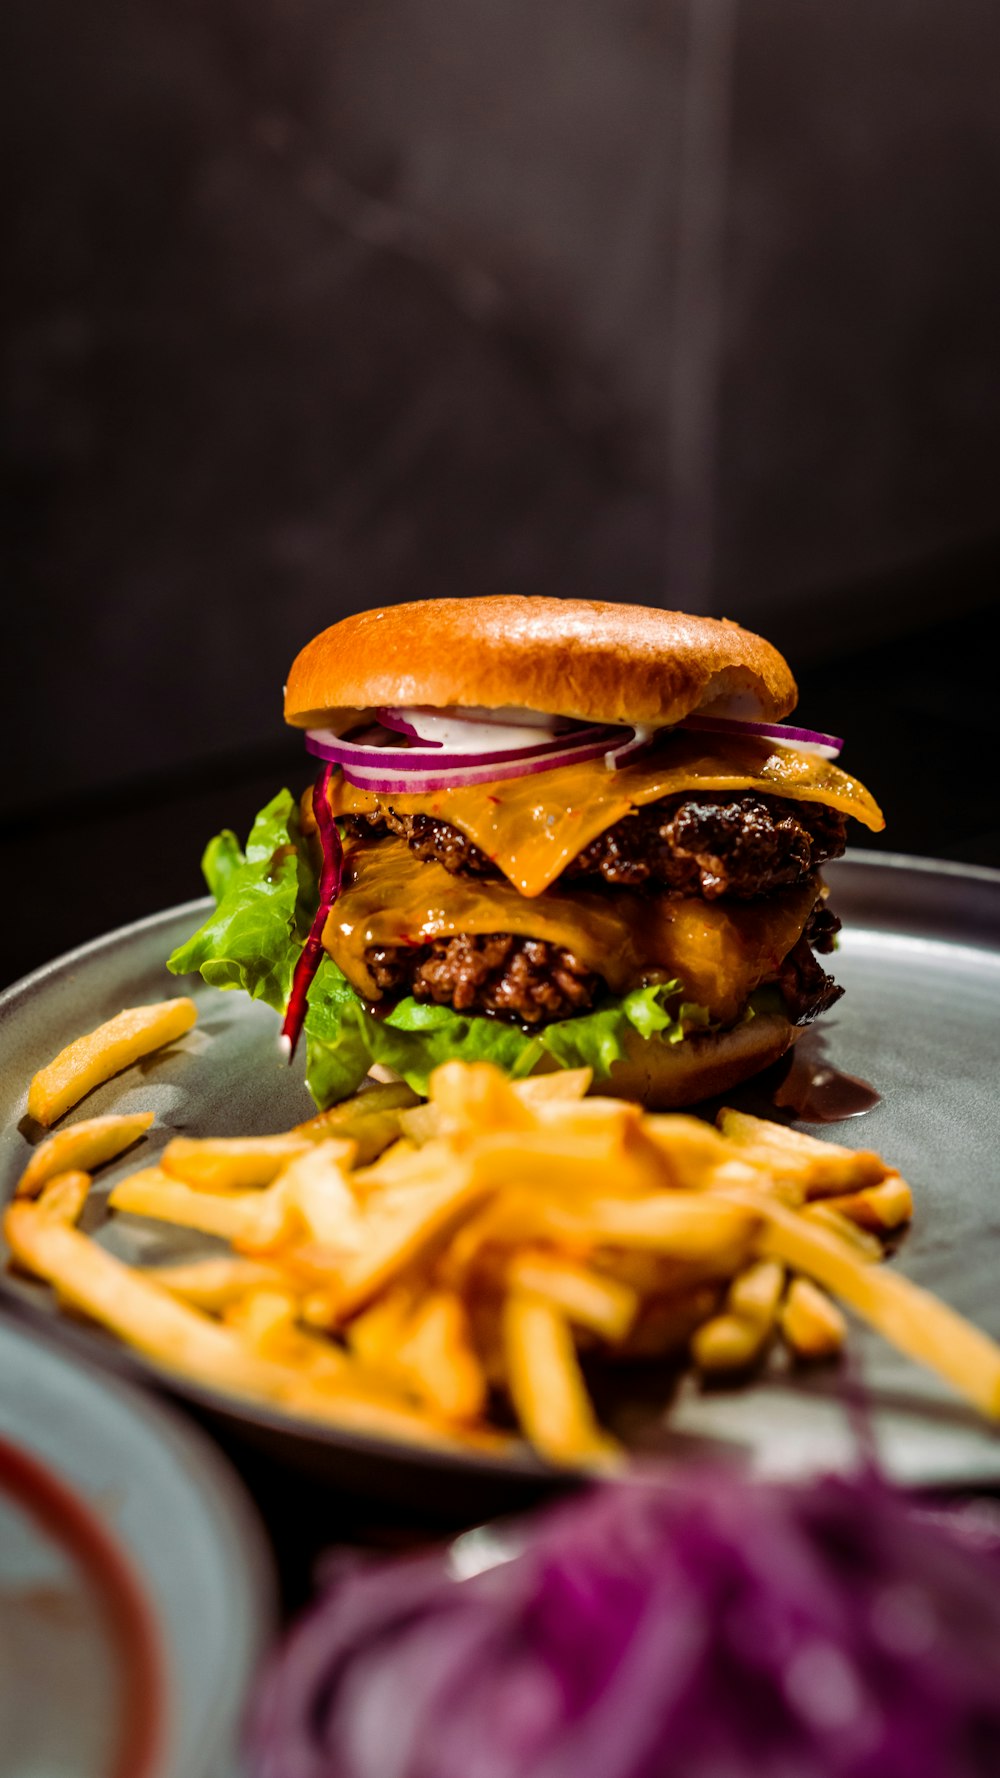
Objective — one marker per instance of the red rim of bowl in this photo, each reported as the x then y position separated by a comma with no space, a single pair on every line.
69,1522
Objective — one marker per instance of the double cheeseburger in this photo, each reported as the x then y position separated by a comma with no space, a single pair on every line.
546,833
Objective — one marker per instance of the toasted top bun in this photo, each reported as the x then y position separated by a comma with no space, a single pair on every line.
568,657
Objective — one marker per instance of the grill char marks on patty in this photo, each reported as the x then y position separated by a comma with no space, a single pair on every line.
534,982
712,846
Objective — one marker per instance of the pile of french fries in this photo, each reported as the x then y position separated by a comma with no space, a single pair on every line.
442,1271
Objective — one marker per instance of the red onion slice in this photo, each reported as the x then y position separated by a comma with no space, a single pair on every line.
329,889
383,769
804,740
475,730
417,783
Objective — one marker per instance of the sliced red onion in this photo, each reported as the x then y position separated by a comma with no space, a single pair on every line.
804,740
637,740
331,875
476,730
385,769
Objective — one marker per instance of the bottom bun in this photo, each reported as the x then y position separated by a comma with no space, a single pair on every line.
665,1076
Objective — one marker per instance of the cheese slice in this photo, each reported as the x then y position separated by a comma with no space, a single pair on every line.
720,951
532,827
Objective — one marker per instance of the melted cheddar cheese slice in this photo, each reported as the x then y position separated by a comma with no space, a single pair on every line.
532,827
720,951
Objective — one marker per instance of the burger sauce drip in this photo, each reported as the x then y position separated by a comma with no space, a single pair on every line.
816,1091
329,888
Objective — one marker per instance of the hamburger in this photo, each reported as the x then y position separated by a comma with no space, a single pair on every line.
547,833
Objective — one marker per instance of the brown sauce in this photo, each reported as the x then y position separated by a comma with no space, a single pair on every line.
818,1092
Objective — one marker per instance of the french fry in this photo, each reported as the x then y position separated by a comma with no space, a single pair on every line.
366,1414
93,1059
317,1184
134,1307
547,1388
256,1219
880,1208
601,1304
727,1343
756,1293
435,1353
215,1283
553,1160
812,1324
64,1196
824,1168
561,1083
476,1099
374,1335
736,1338
230,1163
685,1225
85,1145
917,1323
401,1226
850,1232
692,1151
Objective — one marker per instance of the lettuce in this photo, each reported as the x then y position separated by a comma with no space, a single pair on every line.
265,900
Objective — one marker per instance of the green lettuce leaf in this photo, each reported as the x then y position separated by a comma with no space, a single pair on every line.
266,898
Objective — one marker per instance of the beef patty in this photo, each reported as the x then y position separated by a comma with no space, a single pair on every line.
533,982
715,845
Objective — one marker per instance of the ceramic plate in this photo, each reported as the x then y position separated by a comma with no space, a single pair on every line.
134,1591
920,960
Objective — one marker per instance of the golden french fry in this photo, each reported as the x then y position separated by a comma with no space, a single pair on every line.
756,1293
134,1307
692,1151
436,1355
561,1083
547,1389
93,1059
371,1119
476,1098
318,1185
552,1160
683,1225
879,1208
85,1145
229,1163
727,1343
850,1232
812,1324
64,1196
360,1410
374,1335
401,1226
919,1324
583,1296
216,1282
258,1219
265,1317
823,1168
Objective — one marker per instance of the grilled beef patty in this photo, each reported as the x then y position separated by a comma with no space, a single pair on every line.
534,982
715,845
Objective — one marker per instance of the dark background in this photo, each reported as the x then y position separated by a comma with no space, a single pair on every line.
310,306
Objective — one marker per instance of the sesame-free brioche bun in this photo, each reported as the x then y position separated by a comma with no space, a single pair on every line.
666,1076
669,1076
570,657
